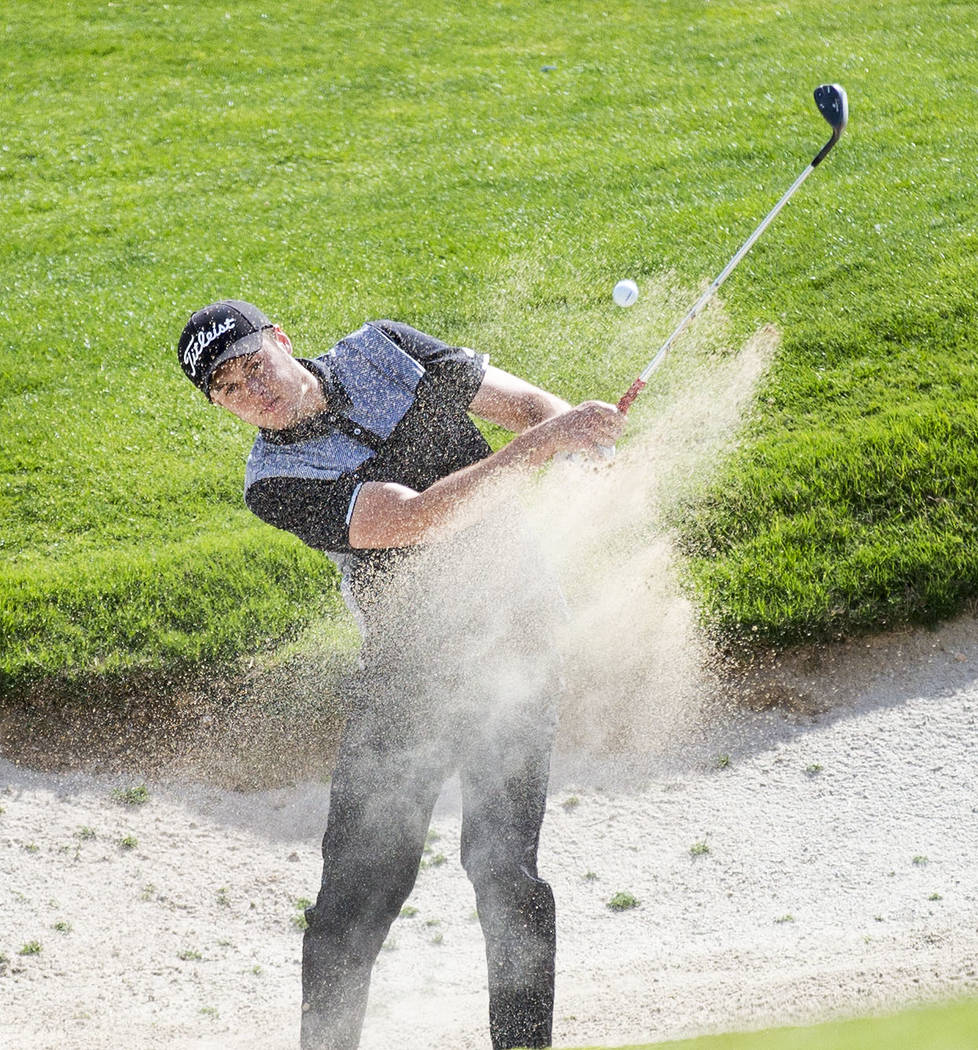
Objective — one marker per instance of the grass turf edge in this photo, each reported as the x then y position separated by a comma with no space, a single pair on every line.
193,603
945,1026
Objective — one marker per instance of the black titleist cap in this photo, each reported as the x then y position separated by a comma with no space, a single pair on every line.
217,333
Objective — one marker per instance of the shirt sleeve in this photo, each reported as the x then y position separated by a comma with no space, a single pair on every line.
318,512
455,370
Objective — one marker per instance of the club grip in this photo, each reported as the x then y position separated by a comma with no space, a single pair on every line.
629,396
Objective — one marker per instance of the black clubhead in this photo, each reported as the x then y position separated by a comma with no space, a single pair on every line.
833,105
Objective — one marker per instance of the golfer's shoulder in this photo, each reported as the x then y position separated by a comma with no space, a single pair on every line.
422,346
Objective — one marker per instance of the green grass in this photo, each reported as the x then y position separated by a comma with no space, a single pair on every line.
946,1027
415,160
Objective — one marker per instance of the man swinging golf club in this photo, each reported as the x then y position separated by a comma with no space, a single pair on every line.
367,453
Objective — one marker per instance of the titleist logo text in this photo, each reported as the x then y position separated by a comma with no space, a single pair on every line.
202,340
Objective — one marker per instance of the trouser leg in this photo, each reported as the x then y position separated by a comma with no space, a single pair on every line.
504,797
380,806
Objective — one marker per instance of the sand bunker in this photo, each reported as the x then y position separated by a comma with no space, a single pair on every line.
787,867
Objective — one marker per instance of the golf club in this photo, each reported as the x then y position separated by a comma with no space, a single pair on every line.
834,106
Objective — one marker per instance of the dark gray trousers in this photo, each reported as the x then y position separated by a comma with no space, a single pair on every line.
396,754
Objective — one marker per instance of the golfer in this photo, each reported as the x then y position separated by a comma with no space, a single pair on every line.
368,453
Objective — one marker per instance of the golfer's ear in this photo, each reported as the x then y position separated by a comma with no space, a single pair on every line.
282,339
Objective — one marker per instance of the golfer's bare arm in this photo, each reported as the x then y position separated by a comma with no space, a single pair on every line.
514,403
391,515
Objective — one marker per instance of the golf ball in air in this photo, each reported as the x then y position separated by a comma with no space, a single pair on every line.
625,293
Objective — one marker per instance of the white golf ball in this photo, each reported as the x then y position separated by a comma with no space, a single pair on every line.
625,293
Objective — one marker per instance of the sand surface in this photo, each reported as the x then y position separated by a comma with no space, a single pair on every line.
789,865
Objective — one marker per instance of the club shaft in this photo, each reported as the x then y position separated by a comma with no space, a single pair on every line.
626,401
722,276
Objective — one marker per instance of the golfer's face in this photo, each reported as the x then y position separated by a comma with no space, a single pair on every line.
266,389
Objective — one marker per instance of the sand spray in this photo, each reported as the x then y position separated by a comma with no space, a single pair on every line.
636,670
639,668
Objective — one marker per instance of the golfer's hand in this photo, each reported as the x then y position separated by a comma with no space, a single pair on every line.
588,428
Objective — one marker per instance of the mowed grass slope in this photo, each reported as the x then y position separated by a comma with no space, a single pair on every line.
485,172
944,1027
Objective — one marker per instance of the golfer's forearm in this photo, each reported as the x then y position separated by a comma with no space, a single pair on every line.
462,498
513,403
389,515
537,409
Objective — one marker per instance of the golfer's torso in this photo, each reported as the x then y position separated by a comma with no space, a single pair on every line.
392,419
406,423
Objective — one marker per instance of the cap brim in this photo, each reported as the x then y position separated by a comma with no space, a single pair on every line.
247,344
